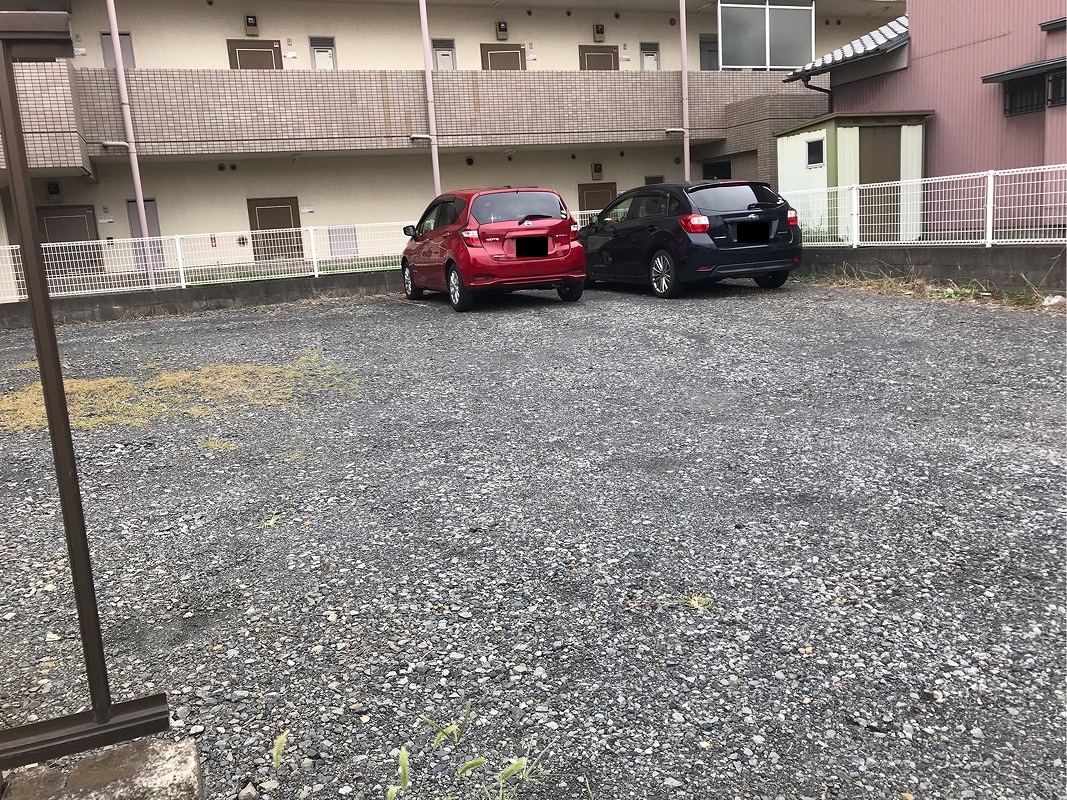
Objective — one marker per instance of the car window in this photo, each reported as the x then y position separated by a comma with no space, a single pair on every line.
674,205
510,206
617,212
447,214
734,197
650,205
429,219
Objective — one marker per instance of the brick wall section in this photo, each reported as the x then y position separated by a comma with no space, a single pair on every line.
189,112
47,105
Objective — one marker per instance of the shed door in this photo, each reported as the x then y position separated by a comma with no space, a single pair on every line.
503,56
879,163
595,196
594,56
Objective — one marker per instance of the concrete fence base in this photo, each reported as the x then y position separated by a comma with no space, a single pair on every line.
1001,267
141,770
162,302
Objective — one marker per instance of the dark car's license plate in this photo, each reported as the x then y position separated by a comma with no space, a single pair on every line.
753,232
533,246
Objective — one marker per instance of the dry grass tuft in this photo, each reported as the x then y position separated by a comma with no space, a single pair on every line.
210,390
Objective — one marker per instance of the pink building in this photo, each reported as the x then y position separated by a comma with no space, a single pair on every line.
989,84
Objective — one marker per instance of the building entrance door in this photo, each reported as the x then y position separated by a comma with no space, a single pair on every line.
72,229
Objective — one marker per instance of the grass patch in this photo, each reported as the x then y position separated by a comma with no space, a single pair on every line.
209,390
216,444
910,285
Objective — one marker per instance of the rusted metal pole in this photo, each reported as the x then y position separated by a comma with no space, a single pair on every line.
55,400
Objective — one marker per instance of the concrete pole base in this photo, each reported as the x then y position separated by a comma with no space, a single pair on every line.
142,770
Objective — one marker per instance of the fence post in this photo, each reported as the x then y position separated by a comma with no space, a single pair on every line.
181,260
854,192
314,253
990,196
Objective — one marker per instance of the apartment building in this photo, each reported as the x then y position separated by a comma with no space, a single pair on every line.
270,114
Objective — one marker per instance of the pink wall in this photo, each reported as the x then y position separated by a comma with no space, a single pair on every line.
953,44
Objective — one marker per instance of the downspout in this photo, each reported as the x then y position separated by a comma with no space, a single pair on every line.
685,86
431,109
130,143
828,92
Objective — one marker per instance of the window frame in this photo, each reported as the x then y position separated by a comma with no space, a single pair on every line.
1057,88
1025,95
768,6
821,141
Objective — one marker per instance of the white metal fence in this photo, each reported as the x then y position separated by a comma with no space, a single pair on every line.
1023,206
1019,206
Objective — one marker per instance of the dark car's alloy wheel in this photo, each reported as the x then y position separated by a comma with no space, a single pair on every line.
458,294
411,291
772,281
663,275
570,291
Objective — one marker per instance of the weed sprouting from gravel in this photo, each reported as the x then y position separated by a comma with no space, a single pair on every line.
209,390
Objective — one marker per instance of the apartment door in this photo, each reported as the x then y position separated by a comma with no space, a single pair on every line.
503,56
595,196
709,52
148,253
252,54
879,163
273,220
598,56
125,47
73,230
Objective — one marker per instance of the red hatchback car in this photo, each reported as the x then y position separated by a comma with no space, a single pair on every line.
478,240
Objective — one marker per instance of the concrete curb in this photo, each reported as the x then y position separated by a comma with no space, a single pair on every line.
141,770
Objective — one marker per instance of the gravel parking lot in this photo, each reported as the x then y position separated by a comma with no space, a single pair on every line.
801,544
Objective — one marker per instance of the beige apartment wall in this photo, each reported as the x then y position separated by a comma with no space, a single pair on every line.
169,35
195,197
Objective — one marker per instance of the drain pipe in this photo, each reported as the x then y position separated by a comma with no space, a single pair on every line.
127,123
828,92
685,86
431,108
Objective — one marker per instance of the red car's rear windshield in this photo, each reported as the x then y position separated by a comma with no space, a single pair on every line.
509,206
734,197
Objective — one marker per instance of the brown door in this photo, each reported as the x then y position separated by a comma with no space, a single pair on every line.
272,220
595,196
251,54
879,163
503,56
598,56
71,238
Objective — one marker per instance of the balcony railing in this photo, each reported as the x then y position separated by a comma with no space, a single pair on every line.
1011,207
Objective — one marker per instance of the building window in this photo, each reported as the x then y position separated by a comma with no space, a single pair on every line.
125,43
709,52
649,56
323,52
816,153
444,54
1024,95
763,35
1057,88
651,180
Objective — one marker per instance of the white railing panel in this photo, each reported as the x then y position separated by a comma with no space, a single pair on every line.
1022,206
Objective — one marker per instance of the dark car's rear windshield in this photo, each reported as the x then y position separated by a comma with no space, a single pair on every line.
508,206
734,197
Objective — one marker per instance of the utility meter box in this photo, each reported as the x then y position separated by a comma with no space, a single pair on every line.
251,25
598,32
501,30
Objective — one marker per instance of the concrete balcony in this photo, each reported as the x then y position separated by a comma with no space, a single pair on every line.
51,124
218,112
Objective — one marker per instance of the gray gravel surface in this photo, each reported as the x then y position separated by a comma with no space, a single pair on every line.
513,508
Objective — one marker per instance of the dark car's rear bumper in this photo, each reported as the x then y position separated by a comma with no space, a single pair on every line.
712,263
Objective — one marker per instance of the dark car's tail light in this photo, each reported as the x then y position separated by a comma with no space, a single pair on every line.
792,217
471,238
695,223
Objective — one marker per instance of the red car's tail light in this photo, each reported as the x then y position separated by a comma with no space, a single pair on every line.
792,217
471,238
695,223
574,231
